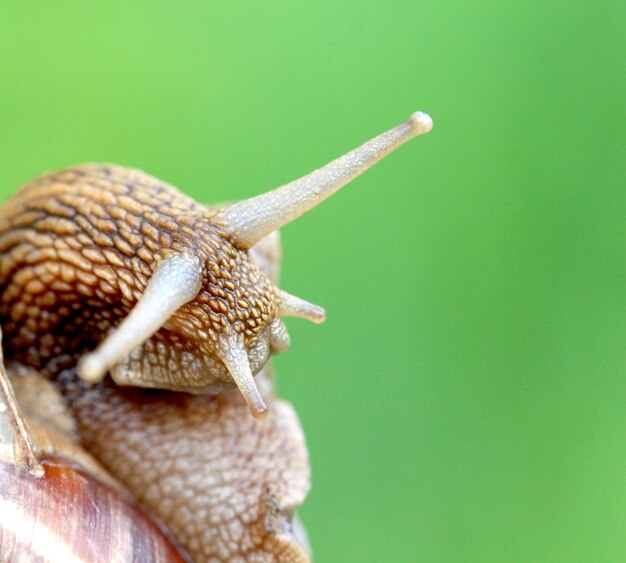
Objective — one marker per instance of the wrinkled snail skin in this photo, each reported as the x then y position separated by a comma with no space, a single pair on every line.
225,484
104,269
96,248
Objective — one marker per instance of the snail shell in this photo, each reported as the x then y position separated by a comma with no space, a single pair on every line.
99,523
57,503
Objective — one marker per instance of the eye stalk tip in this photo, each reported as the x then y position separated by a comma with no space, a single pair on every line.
90,368
421,122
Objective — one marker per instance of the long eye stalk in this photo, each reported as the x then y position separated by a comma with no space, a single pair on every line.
252,219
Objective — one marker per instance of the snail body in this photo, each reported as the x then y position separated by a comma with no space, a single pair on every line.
105,269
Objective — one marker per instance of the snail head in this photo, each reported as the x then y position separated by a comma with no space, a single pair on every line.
211,313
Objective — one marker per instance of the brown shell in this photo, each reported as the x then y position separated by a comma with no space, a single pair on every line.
68,516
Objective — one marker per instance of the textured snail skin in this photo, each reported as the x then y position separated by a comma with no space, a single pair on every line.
77,250
225,484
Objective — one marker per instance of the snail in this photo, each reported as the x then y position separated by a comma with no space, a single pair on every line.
106,270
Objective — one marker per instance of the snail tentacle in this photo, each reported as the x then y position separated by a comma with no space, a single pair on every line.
176,281
250,220
292,306
233,353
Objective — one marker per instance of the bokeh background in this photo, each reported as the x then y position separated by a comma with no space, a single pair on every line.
465,400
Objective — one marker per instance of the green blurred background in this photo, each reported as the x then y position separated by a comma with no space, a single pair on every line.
465,399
